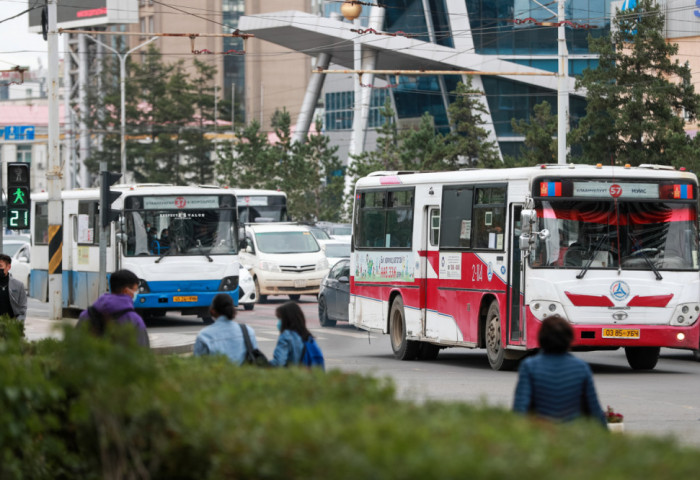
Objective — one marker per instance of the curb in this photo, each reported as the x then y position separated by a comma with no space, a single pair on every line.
173,349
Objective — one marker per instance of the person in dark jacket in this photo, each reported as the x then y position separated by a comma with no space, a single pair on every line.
13,298
554,384
117,306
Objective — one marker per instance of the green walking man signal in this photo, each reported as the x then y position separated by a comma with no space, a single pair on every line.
18,199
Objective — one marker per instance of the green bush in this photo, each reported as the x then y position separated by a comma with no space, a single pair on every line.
91,408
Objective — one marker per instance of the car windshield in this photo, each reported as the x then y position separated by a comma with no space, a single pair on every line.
11,248
286,242
630,235
337,249
319,234
201,225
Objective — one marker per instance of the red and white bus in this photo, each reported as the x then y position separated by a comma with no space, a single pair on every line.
478,258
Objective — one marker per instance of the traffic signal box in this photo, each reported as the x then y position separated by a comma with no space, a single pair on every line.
18,201
107,196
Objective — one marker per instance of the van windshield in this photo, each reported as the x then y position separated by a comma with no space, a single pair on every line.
286,242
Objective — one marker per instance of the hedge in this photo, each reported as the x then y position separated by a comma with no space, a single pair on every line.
90,408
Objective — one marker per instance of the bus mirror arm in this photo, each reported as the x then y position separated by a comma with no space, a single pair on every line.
121,238
526,240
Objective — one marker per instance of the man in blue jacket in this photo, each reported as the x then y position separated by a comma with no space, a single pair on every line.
554,384
117,306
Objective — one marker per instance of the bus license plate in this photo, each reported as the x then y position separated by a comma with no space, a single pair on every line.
185,299
299,283
630,333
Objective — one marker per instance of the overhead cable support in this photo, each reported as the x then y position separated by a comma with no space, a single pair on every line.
191,36
16,69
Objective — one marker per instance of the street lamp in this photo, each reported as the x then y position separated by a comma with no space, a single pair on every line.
122,87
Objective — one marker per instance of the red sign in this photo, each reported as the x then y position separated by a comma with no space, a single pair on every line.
615,190
180,202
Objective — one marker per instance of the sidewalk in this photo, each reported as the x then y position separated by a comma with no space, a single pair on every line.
163,343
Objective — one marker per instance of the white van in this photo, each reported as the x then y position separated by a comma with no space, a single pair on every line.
283,259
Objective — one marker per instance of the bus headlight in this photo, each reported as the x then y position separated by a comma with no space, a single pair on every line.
685,315
143,286
269,266
542,309
228,283
322,264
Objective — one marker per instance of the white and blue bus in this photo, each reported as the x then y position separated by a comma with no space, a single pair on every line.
182,243
257,206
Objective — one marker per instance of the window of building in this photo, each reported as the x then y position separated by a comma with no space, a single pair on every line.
24,153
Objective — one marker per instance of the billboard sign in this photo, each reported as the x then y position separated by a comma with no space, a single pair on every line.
88,13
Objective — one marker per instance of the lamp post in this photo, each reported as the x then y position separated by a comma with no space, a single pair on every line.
122,87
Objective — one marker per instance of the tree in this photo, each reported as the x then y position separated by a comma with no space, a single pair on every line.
249,162
468,139
540,144
423,149
326,189
637,94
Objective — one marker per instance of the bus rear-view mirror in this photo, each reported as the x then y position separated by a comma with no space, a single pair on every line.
528,218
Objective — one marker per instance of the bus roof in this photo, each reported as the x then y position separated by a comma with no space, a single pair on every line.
651,172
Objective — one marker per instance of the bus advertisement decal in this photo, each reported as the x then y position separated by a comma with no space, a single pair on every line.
382,267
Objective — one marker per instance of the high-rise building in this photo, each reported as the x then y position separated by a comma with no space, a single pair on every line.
261,77
510,45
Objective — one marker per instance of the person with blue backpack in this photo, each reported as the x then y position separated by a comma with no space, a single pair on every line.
295,345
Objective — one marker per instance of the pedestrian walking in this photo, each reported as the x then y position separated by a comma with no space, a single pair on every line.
117,306
293,335
224,336
13,298
554,384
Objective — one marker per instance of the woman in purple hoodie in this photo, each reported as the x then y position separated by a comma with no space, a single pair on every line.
116,306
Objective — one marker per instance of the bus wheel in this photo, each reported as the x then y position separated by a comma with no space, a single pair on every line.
323,313
428,351
404,349
642,358
261,298
494,347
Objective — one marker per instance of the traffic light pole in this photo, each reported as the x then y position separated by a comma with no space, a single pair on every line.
54,174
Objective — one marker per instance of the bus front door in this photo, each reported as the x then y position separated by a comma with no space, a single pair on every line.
516,328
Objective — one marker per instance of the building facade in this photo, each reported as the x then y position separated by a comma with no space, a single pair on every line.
510,45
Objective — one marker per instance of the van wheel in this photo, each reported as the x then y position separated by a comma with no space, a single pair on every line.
248,306
494,347
642,358
295,297
403,348
261,298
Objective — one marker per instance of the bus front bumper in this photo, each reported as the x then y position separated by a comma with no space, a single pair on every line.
180,300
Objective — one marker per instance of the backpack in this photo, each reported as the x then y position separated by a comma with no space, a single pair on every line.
98,321
312,356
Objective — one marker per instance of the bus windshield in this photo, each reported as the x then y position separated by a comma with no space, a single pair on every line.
629,235
198,225
262,208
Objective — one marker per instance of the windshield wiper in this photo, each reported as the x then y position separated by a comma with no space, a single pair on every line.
641,253
167,252
202,252
582,273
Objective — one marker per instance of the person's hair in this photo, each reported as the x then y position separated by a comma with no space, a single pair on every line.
223,305
293,319
122,279
555,335
5,258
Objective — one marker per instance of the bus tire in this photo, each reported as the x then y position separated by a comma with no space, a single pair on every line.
495,350
323,313
428,351
403,348
642,358
261,298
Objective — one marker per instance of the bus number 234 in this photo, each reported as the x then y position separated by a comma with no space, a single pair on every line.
477,273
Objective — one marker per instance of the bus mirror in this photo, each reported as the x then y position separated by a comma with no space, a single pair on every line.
528,218
524,242
121,238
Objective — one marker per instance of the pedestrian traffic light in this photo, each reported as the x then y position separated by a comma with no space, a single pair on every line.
18,204
107,196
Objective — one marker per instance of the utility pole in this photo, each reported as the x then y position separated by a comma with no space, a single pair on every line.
562,92
122,88
233,108
53,175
